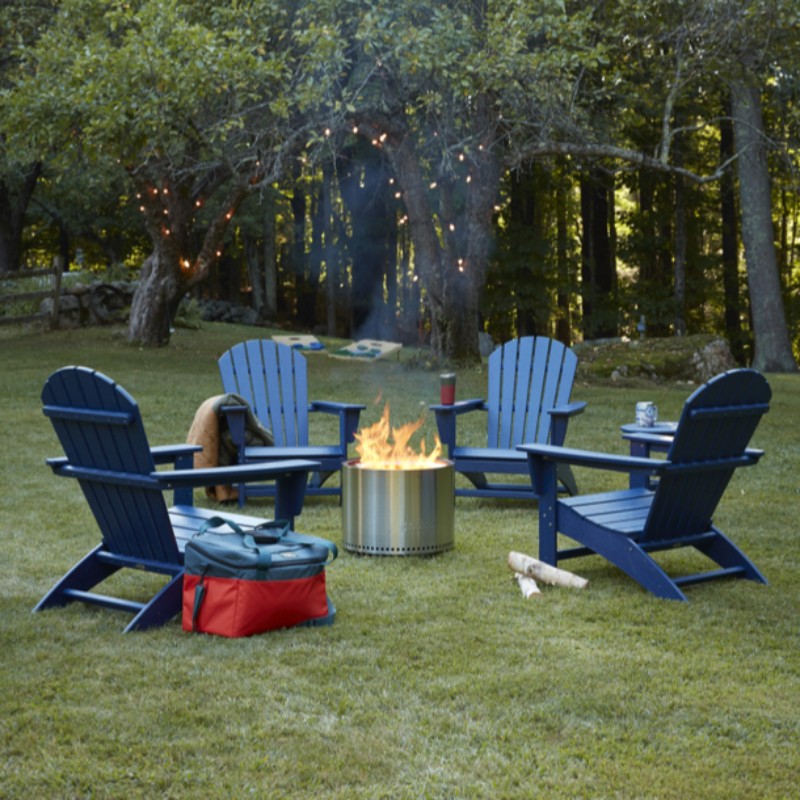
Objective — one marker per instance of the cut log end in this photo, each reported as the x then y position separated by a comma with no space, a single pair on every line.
527,586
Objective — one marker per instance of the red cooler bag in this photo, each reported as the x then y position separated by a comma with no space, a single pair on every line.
241,582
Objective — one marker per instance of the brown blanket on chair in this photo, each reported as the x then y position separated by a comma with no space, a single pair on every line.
210,430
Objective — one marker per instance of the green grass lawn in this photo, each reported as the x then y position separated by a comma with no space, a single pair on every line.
438,678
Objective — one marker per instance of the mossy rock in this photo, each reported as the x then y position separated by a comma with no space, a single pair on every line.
677,358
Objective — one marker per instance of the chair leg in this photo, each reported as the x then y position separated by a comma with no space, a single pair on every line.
316,479
477,479
626,554
87,573
724,552
161,608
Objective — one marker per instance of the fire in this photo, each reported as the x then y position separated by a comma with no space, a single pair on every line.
382,447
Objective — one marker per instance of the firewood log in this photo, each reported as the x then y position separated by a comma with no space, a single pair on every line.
527,586
533,568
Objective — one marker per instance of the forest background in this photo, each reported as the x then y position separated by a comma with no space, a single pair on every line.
416,173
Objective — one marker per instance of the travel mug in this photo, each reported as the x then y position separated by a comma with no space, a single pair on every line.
447,388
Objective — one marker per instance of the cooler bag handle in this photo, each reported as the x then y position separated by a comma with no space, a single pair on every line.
288,536
248,539
266,533
270,532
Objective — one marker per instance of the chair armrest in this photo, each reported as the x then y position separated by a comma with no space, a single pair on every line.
332,407
753,454
290,476
460,406
237,473
164,454
56,463
569,410
588,458
175,453
349,414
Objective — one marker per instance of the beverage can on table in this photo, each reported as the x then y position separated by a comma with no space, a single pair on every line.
646,414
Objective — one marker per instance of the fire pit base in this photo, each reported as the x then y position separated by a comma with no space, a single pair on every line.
389,512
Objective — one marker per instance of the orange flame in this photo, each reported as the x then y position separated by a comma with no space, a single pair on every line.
382,447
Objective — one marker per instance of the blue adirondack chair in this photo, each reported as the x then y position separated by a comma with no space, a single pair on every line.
101,431
272,378
528,400
673,508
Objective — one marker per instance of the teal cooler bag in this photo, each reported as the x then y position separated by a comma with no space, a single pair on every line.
242,582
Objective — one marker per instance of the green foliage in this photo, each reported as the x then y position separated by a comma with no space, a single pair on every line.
438,679
239,91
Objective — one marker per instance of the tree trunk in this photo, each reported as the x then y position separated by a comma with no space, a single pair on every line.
155,301
522,209
421,226
598,269
306,291
679,286
773,351
13,206
170,271
255,272
453,269
270,259
330,251
468,267
364,187
730,245
564,317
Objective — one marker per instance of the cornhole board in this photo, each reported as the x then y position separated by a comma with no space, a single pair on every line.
367,350
300,342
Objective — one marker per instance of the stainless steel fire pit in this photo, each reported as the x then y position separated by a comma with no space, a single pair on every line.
397,512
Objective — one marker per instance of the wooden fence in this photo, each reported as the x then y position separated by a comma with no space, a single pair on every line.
10,299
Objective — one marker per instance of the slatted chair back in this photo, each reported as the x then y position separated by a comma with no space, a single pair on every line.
272,378
101,431
527,376
715,428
